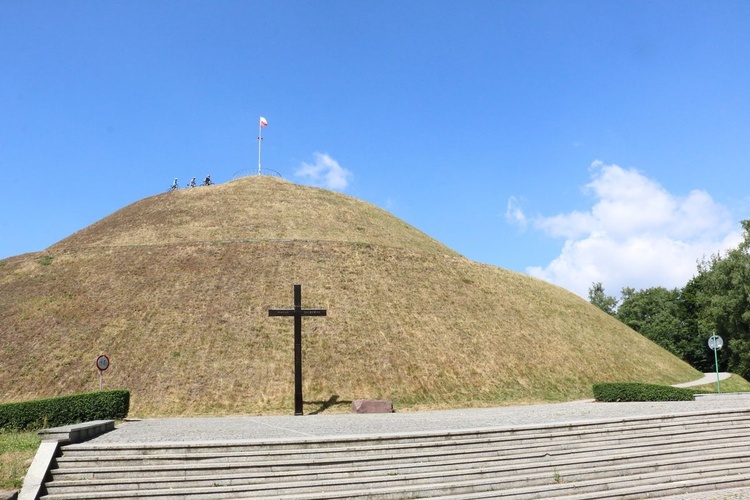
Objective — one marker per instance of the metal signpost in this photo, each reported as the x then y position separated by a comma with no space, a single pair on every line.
297,312
715,342
102,363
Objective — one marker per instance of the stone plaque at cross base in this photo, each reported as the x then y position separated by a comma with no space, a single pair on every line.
372,406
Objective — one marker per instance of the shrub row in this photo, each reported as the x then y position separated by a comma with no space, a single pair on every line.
630,391
65,410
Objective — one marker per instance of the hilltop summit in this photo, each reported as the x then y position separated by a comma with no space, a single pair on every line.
175,289
251,209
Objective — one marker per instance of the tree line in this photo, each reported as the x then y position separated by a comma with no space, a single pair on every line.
715,301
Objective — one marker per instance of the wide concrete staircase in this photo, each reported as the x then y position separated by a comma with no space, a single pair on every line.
625,458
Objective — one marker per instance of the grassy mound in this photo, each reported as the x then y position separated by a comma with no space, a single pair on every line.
175,289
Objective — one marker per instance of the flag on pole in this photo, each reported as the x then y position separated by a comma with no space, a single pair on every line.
263,123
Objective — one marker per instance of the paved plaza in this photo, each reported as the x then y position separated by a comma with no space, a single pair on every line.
295,427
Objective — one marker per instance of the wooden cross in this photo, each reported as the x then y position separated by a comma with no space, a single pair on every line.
297,312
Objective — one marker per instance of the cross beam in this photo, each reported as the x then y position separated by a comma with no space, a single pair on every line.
297,313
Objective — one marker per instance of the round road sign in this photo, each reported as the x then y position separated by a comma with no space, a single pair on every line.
102,362
715,342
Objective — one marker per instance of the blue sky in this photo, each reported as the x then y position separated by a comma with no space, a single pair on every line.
576,141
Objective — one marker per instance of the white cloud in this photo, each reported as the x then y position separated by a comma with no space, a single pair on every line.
513,213
325,172
636,234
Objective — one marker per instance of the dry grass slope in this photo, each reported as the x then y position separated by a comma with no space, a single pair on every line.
175,289
250,210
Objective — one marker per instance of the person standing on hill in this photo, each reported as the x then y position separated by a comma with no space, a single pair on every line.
174,184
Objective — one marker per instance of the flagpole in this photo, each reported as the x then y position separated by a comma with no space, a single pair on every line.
260,139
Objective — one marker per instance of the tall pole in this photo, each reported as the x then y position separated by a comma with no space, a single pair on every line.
716,363
260,139
262,122
715,342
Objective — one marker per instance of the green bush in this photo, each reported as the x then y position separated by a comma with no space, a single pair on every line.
630,391
65,410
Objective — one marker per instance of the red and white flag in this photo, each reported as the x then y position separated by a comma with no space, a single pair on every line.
263,122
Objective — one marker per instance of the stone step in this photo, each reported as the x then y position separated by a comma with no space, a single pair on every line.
534,474
385,487
251,449
111,464
535,461
218,452
519,435
660,447
628,488
565,471
206,451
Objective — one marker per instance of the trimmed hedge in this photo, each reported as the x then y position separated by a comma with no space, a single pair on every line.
630,391
65,410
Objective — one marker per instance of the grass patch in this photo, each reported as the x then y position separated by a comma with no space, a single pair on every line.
17,450
45,260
